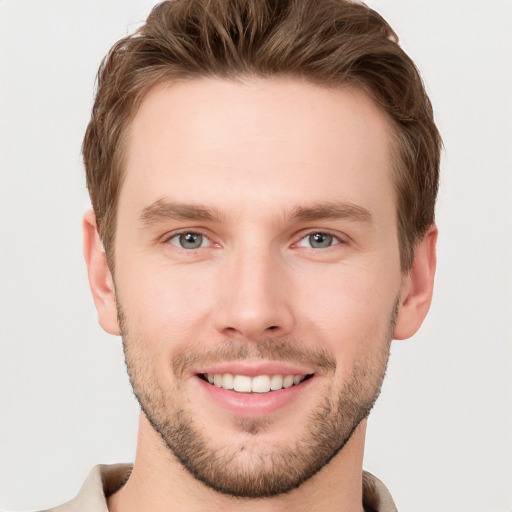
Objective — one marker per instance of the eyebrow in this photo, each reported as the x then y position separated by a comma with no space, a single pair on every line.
331,210
163,209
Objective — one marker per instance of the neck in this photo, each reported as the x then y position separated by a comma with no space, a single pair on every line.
159,482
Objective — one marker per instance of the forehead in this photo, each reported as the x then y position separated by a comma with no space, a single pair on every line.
267,142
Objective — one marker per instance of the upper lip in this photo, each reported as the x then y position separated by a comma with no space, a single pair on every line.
253,369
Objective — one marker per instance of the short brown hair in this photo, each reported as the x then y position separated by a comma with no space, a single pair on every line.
326,42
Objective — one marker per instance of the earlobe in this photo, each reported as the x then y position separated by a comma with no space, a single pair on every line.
417,287
100,278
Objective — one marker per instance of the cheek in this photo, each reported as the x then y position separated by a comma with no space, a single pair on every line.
350,309
165,303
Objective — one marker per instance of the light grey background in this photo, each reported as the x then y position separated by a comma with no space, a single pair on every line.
440,436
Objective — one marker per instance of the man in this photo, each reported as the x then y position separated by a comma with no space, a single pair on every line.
263,177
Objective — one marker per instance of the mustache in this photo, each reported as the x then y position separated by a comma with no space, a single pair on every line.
279,350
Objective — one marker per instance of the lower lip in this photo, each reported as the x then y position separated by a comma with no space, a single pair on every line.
254,404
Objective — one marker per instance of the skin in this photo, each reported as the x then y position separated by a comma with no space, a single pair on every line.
252,152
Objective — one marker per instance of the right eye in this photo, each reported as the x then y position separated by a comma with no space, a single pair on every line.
189,240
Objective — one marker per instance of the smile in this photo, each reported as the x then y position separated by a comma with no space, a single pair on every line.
258,384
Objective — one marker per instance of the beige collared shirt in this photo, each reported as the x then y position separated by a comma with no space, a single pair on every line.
104,480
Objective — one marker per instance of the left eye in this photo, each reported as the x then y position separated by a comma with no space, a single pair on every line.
318,241
189,240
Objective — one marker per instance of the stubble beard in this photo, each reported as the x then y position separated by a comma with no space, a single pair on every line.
238,470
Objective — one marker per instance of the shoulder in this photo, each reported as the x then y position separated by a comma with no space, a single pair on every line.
102,481
376,497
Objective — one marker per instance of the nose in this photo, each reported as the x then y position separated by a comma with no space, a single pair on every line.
254,296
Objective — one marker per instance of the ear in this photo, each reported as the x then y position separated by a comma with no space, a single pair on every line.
417,287
100,278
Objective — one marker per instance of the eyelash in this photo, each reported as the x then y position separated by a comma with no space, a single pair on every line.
334,239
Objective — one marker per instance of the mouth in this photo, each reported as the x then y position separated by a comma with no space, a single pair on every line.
260,384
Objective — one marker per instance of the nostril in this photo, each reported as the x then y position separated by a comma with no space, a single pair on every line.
272,327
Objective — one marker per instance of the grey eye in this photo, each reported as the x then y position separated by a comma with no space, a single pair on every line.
318,240
189,240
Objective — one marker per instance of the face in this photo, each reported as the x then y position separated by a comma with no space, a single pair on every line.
257,274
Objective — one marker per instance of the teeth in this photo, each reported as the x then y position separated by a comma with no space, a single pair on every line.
242,384
276,382
259,384
288,381
228,381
